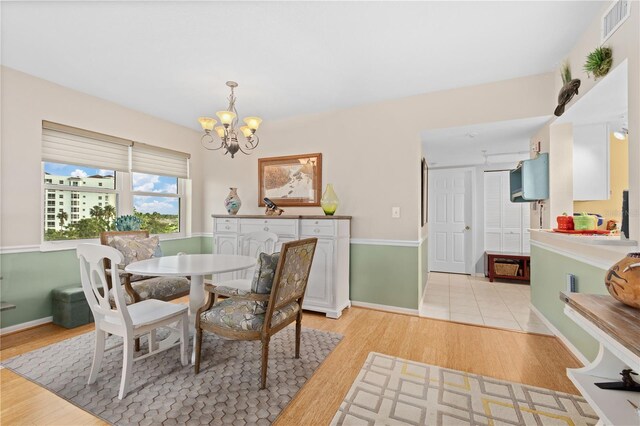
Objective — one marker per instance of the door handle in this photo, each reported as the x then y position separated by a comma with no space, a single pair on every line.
466,228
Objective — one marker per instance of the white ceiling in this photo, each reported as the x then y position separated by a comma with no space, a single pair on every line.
503,141
171,59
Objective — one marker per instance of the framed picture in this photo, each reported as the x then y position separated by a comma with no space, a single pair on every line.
424,170
294,180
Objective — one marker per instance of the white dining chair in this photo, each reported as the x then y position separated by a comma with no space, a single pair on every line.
127,321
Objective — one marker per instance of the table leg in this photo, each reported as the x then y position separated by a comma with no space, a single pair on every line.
196,301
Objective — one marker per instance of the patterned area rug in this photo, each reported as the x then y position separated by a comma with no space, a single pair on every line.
164,392
394,391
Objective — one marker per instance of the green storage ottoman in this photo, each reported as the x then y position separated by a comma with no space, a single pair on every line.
70,307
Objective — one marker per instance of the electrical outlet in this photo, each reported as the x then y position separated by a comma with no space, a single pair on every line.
395,212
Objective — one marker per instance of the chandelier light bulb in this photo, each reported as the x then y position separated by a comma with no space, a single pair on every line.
246,131
207,123
220,131
226,117
253,122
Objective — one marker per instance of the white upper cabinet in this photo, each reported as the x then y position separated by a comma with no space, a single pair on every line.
591,162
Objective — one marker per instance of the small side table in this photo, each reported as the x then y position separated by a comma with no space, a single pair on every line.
523,260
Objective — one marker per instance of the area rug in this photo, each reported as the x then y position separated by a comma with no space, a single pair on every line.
227,390
394,391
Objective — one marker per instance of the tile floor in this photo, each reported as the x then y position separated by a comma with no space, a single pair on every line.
474,300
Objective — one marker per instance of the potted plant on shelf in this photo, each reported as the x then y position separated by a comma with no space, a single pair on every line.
599,62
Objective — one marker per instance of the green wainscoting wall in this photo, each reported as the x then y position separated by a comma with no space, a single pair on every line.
385,275
380,274
423,259
548,278
28,278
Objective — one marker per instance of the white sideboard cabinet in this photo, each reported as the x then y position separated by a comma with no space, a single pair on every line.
328,286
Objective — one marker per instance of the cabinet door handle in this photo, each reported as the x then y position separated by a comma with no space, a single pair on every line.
227,227
317,230
266,228
316,222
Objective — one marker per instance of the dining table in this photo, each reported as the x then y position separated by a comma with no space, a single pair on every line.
197,266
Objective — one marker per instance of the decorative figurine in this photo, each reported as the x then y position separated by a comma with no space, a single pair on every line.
627,383
272,209
567,92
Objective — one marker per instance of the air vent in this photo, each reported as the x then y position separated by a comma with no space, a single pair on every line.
614,17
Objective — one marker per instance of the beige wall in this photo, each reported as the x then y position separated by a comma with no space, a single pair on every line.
372,153
625,43
26,101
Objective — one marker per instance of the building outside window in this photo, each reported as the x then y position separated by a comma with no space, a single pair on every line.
107,170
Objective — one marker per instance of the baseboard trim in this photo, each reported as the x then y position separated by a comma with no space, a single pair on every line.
25,325
566,342
385,308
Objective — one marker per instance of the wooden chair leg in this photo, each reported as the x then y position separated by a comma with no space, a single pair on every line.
198,338
265,363
298,332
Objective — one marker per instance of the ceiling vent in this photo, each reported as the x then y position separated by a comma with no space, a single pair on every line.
614,17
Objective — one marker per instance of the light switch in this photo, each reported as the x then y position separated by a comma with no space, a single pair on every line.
395,212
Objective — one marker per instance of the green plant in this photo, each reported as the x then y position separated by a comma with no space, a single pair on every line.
565,72
599,62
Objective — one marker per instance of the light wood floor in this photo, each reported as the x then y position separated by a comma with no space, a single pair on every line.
526,358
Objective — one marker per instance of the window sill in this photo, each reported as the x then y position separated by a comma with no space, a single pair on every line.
62,245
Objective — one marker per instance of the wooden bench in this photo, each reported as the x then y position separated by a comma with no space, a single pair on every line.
523,261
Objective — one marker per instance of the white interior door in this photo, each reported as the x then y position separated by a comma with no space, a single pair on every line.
450,218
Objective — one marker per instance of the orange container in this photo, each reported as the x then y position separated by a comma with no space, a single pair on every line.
565,222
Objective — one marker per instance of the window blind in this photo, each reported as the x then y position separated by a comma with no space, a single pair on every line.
70,145
159,161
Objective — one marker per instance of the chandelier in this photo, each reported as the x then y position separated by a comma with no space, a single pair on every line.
227,130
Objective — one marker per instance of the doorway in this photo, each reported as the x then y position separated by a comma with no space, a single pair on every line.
450,213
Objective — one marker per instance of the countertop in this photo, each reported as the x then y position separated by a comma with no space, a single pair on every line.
600,251
284,216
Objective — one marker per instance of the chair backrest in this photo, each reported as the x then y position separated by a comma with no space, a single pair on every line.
291,275
94,280
107,236
254,243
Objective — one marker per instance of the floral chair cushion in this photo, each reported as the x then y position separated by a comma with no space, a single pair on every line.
162,288
264,273
136,249
238,315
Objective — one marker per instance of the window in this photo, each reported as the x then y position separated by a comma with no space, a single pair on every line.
106,170
70,223
51,217
156,201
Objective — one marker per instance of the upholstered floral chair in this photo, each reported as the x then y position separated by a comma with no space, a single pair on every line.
136,246
274,301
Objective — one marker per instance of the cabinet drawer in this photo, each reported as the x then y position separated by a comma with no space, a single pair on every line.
277,226
226,225
318,228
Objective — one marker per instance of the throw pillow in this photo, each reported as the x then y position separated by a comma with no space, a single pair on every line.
136,249
264,273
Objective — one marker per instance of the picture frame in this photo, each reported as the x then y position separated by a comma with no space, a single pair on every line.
293,180
424,194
